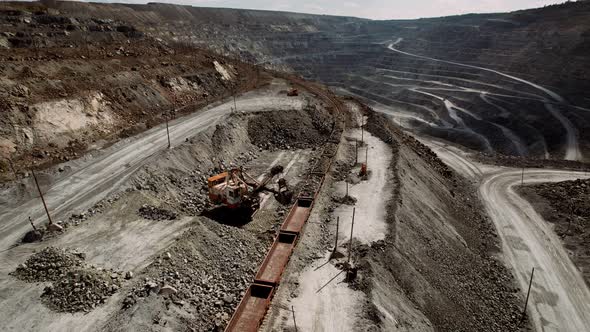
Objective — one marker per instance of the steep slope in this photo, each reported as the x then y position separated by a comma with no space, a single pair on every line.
75,84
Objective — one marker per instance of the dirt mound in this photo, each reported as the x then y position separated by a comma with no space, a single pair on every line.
346,200
50,264
81,290
295,129
153,213
33,236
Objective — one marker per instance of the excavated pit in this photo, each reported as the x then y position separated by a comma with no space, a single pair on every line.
196,265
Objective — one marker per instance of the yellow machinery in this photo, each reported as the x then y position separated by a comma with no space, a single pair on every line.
235,188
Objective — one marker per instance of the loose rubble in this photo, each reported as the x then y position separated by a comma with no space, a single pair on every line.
209,267
295,129
81,290
49,264
154,213
76,286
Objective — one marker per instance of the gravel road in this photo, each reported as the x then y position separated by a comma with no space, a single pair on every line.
560,300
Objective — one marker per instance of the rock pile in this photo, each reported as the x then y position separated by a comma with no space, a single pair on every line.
285,130
49,264
76,286
81,290
209,268
153,213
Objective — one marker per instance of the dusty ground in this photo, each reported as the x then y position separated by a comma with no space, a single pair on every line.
566,205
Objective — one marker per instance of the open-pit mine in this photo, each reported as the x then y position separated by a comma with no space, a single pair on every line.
176,168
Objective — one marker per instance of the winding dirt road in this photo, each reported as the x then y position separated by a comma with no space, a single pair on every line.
572,148
560,300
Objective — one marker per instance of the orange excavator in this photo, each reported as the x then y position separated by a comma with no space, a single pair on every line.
236,189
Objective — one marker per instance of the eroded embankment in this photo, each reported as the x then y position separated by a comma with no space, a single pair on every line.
435,269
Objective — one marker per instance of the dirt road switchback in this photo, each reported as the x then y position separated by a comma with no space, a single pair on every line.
559,300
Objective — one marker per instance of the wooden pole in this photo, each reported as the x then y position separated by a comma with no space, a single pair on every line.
362,131
522,177
294,321
337,228
168,132
351,230
356,152
42,198
526,302
346,188
32,224
367,156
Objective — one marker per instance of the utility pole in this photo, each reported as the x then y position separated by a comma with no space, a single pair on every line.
32,224
294,321
351,229
346,188
42,198
522,177
362,131
527,295
356,152
336,242
367,156
167,131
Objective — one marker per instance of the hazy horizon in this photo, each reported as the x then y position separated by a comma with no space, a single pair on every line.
372,9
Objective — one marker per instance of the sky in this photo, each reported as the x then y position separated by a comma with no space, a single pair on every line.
373,9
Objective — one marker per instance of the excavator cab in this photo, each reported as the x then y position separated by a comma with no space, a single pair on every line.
215,192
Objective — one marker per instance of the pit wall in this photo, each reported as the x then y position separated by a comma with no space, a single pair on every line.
65,107
435,270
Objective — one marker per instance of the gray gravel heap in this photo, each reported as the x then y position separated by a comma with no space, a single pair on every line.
49,264
209,267
81,290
